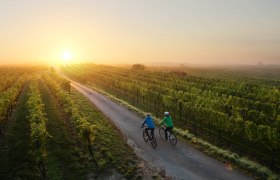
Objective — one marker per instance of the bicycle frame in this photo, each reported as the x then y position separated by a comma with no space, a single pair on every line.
147,136
171,137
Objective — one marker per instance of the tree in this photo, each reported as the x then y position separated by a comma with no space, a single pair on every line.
138,67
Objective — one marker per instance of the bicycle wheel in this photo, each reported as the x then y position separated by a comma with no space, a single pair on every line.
161,132
172,139
154,142
145,136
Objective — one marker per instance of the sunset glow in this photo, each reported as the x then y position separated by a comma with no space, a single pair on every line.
78,79
191,32
66,57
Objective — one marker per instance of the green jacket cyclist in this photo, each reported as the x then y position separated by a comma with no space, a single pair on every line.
167,121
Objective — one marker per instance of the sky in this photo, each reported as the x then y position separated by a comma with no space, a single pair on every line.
146,31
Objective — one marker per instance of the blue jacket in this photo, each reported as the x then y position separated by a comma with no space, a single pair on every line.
149,121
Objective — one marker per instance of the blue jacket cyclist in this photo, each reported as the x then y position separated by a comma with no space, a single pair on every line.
150,124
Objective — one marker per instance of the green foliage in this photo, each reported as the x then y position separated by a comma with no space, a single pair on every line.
91,126
66,159
246,164
81,124
244,107
236,106
11,86
16,160
111,150
86,130
37,121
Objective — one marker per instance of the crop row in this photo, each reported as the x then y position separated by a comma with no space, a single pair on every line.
37,119
7,100
83,127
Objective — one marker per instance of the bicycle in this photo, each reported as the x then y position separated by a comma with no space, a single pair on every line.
172,138
147,136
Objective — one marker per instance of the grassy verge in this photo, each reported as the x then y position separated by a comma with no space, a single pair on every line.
16,161
243,163
66,160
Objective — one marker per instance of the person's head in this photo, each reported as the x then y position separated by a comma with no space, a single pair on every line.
166,113
148,114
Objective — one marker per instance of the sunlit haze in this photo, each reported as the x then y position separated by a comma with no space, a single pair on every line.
151,32
66,57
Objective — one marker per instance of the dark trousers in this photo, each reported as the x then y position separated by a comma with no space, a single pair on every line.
168,129
152,131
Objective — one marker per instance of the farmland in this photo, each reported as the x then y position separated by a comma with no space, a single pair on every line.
131,90
48,132
236,108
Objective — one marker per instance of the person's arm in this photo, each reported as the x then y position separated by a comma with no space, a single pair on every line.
162,121
143,123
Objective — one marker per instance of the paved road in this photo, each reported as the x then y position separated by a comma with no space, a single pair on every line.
180,161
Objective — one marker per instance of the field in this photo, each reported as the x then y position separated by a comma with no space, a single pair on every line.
50,131
78,80
236,108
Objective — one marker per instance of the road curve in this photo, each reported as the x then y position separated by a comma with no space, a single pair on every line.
180,161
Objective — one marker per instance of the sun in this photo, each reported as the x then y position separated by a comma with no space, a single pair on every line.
66,57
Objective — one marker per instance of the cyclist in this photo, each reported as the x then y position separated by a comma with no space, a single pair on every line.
167,121
150,123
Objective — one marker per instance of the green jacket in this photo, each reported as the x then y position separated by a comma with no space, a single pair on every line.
168,121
